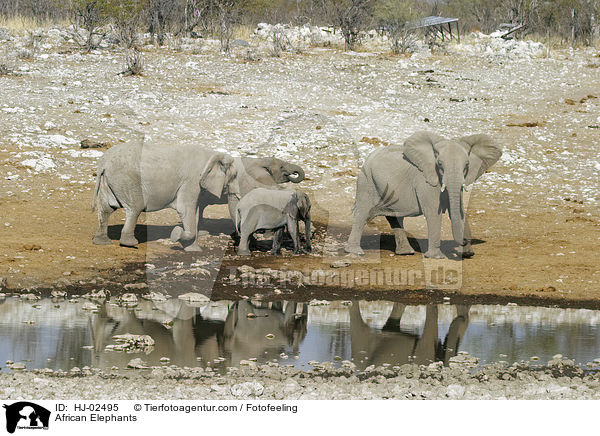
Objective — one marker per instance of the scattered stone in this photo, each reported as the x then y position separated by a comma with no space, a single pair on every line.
247,389
137,363
141,285
90,306
133,343
102,294
17,366
88,143
128,300
319,303
463,360
58,294
340,264
455,391
156,296
30,297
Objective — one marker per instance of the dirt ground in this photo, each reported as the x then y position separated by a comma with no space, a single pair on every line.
534,215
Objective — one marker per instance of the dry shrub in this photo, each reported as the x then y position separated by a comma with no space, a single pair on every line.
134,62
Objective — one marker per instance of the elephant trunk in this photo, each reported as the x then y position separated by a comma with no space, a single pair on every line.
296,174
457,216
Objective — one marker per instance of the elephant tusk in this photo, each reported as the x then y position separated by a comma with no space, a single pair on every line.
443,188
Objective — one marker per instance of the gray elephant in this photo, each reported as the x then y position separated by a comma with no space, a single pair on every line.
425,176
272,209
145,178
253,173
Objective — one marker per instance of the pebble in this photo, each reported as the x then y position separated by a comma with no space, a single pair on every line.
340,264
137,363
128,300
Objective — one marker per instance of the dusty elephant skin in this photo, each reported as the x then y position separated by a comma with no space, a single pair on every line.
425,176
268,209
559,379
145,178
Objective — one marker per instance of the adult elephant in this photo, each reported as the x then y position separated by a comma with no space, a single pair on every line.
425,176
147,177
253,173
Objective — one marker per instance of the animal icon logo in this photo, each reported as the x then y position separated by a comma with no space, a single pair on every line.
25,414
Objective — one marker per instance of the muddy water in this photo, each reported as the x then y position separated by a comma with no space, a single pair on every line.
64,334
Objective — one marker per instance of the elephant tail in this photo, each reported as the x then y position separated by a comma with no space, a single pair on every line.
99,177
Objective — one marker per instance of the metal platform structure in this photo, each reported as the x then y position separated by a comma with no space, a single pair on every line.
437,27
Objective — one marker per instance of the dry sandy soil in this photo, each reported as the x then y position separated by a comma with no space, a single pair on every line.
534,215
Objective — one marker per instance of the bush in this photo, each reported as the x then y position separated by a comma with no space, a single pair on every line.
134,62
395,16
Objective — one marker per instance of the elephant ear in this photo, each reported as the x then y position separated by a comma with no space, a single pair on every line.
483,153
419,149
214,174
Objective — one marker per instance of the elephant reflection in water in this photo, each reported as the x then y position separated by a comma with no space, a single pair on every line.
193,336
394,346
270,330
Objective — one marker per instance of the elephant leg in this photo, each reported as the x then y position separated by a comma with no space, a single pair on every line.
434,230
277,238
427,345
292,226
127,234
393,321
247,227
353,244
187,208
466,250
101,236
456,332
200,212
402,244
308,235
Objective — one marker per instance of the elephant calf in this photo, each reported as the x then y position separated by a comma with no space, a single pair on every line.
271,209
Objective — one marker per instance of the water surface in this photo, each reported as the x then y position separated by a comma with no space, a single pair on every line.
63,335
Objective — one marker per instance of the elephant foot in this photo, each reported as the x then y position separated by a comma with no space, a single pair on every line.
128,241
274,252
354,249
176,234
243,252
101,240
435,254
192,247
466,251
405,251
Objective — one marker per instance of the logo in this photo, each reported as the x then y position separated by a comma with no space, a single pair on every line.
26,415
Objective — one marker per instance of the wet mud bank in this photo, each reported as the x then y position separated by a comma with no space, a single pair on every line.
558,379
297,278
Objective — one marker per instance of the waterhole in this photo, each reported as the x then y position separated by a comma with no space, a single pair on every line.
218,334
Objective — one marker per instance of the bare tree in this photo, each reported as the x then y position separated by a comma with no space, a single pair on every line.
91,16
395,17
228,12
351,16
127,17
